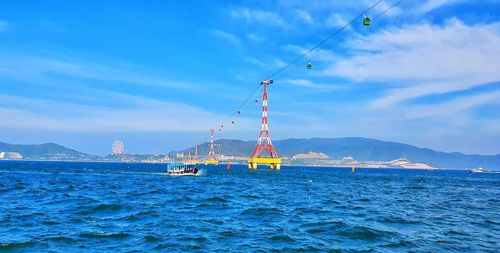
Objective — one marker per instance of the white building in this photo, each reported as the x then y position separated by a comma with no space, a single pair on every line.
10,155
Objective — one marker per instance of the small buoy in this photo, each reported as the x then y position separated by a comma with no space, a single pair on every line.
228,165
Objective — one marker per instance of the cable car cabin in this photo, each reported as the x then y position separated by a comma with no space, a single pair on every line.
367,21
256,100
309,65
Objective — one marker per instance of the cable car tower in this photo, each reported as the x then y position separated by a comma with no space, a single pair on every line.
264,143
211,158
196,159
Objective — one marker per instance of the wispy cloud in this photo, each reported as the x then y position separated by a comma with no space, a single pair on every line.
296,48
336,20
453,107
255,61
430,5
21,67
305,17
231,38
319,54
266,62
141,115
254,37
425,59
257,16
311,85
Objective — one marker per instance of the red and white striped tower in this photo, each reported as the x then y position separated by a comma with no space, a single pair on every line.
211,158
264,143
196,159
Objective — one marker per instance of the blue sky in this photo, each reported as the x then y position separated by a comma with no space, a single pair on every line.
159,74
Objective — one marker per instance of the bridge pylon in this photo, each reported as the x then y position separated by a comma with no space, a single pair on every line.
264,143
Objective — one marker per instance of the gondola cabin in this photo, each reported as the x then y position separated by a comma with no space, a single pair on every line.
367,21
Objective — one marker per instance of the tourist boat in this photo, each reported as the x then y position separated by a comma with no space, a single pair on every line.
478,170
177,169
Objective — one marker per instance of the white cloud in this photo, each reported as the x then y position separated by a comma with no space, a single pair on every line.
305,17
141,114
336,20
310,84
19,67
227,36
261,17
279,63
319,54
255,61
296,49
430,5
425,59
254,37
454,107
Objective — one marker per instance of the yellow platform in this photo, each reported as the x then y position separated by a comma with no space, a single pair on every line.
211,161
253,162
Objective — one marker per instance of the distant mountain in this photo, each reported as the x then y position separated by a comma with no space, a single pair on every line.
361,149
46,151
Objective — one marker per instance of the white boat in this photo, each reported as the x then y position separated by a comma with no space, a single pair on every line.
478,170
175,169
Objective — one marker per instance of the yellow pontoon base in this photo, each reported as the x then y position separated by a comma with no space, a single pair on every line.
207,162
253,162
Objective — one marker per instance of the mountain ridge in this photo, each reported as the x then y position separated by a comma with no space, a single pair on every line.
360,148
45,151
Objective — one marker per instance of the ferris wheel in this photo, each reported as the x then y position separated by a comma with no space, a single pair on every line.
118,147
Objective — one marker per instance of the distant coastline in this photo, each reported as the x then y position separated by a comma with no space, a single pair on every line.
223,163
319,152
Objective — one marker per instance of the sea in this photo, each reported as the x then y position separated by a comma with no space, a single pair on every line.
132,207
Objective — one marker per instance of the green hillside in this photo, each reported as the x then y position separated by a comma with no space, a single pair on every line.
362,149
46,151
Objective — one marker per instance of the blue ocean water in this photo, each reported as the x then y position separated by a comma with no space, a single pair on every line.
122,207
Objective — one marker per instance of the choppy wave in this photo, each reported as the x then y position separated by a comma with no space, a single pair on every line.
109,207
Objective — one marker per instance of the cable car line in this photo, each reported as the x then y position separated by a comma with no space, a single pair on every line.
303,55
325,40
366,22
323,51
